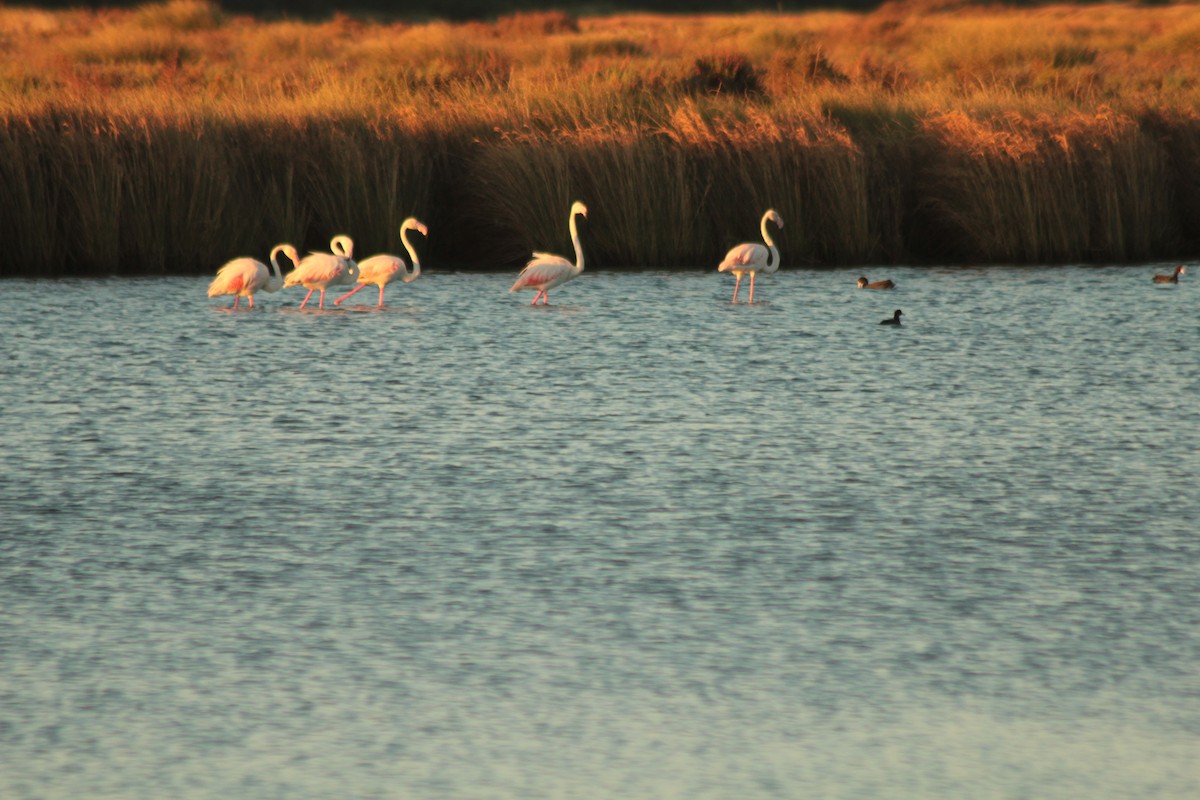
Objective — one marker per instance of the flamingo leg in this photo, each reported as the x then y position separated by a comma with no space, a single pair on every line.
752,274
237,298
347,294
381,294
305,301
540,293
737,285
251,299
321,305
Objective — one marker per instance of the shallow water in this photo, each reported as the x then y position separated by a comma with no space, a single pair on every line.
640,543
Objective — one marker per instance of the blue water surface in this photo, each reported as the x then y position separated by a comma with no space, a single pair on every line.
640,543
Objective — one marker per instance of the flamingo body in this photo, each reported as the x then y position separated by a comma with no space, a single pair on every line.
546,270
382,269
753,258
245,277
319,271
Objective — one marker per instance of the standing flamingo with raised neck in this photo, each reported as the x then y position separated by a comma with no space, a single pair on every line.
319,271
243,277
545,271
753,258
383,269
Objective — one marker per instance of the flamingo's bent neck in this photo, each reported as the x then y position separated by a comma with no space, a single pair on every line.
287,251
773,259
411,225
578,208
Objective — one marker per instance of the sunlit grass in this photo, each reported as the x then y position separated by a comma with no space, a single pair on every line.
173,136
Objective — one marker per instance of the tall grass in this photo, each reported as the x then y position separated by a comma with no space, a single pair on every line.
173,137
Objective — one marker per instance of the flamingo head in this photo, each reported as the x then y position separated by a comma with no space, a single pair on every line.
578,208
414,224
773,215
342,245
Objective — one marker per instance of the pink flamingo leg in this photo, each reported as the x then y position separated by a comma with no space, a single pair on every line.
752,287
381,286
536,296
310,291
251,299
321,305
347,294
237,298
737,285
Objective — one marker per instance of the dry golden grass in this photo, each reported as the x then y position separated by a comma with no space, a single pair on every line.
173,136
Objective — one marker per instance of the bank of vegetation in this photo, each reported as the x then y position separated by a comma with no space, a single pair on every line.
171,137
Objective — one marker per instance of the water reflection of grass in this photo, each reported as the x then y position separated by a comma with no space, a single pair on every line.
174,136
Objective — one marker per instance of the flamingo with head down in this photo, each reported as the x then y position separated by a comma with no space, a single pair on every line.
545,271
753,258
383,269
244,277
319,271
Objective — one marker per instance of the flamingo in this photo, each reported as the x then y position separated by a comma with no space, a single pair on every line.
383,269
863,283
1172,278
545,271
892,320
242,277
753,258
322,270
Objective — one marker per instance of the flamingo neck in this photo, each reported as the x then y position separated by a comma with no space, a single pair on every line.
578,246
412,254
771,248
277,271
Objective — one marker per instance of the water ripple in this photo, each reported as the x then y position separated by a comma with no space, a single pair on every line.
460,547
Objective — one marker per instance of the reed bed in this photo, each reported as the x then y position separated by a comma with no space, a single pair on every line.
172,137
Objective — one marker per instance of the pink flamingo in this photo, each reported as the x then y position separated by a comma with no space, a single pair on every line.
243,277
753,258
383,269
545,271
319,271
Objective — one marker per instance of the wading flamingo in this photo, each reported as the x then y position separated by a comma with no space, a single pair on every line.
1172,278
753,258
863,283
892,320
383,269
243,277
319,271
545,271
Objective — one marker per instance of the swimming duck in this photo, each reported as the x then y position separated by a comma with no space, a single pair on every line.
1172,278
863,283
895,319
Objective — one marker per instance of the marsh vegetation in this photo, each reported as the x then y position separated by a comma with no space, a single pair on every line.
171,137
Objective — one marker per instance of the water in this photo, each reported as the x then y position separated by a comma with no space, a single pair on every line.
642,543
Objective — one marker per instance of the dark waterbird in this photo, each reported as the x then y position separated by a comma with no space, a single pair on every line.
894,320
1172,278
863,283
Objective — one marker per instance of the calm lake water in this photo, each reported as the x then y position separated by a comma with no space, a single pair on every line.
641,543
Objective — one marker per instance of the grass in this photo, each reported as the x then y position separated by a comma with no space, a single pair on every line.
172,137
